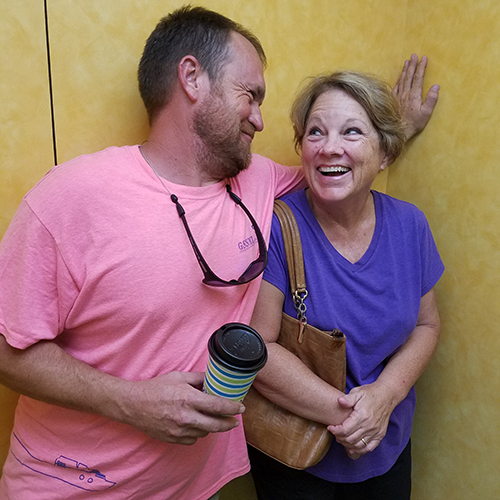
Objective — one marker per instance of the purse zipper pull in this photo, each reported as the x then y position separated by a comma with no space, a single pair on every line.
302,329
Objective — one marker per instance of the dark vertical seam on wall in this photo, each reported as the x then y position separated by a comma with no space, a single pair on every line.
51,94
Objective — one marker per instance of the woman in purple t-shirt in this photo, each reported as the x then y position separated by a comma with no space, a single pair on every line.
371,265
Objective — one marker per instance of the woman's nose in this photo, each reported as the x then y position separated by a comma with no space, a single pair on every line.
332,146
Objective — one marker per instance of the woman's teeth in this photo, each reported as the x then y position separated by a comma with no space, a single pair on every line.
333,170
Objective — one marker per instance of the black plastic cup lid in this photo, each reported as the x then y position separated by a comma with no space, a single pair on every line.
238,346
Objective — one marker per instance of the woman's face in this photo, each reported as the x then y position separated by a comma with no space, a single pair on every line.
341,152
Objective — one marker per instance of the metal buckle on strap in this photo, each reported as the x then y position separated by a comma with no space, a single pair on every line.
298,301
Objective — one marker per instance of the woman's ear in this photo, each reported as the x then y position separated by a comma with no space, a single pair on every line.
191,76
386,161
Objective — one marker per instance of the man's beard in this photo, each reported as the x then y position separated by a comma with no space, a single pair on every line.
221,151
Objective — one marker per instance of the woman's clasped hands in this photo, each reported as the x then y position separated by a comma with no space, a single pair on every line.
362,431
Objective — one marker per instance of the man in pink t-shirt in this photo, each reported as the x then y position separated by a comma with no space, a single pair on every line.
103,313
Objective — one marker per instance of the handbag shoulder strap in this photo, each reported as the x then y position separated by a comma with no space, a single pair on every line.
293,245
294,257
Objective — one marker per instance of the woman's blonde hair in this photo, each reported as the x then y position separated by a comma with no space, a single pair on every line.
373,94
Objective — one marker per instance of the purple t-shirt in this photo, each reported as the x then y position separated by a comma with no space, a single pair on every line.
375,302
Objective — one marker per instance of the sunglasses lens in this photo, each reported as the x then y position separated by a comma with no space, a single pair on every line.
253,270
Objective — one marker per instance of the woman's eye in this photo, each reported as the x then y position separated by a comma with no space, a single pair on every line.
314,131
353,131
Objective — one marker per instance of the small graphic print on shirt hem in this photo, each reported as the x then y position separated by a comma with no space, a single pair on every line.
64,469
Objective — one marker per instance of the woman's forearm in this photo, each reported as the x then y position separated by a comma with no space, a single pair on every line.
286,381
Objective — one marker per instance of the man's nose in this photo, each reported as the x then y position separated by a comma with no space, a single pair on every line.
256,119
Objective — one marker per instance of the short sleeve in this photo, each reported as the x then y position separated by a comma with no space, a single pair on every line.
276,271
431,264
289,179
284,179
36,289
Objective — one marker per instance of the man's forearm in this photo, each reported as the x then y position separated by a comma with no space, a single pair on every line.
169,407
47,373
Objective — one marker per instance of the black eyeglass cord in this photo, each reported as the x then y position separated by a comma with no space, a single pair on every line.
210,278
182,212
180,209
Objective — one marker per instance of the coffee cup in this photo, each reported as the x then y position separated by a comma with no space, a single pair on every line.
236,353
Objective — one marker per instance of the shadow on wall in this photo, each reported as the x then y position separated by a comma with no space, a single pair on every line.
9,402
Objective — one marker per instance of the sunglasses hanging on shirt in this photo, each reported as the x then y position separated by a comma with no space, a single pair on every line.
209,277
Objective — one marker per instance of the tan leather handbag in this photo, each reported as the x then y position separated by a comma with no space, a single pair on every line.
279,433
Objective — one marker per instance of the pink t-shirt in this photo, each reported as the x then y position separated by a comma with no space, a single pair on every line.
100,263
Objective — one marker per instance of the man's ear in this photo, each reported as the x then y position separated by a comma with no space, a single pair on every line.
191,76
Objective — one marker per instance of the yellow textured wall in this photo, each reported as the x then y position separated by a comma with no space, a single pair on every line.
25,130
95,46
452,173
25,126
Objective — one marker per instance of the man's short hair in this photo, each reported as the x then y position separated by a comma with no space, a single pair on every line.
194,31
